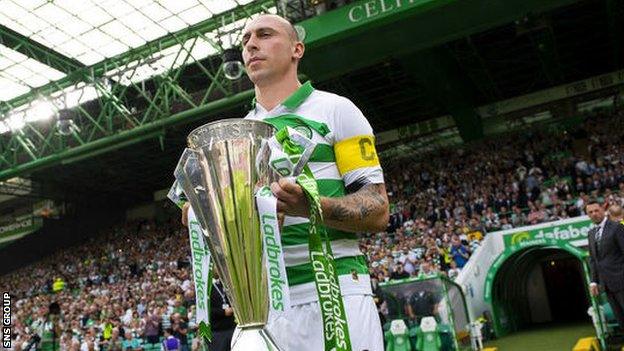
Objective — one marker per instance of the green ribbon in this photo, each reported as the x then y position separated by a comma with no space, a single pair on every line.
335,327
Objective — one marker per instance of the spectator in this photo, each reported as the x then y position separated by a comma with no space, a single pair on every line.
222,317
130,343
616,214
459,252
170,343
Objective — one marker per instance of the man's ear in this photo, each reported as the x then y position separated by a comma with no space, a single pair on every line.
298,50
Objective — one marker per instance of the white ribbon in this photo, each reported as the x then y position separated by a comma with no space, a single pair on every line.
279,293
200,258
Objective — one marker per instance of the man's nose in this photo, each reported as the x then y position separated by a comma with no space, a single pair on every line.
251,44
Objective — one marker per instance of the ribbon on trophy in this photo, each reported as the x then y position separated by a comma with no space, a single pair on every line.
279,294
290,152
201,263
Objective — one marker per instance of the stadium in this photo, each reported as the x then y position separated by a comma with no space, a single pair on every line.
394,175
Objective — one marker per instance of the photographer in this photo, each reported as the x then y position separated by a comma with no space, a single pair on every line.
47,331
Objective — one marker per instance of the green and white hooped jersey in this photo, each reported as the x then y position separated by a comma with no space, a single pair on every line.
344,157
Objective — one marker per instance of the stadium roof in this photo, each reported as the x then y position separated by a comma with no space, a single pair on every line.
143,73
82,33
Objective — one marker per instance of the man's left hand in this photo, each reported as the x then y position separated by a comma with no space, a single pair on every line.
291,200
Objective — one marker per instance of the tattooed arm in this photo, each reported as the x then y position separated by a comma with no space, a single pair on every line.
365,210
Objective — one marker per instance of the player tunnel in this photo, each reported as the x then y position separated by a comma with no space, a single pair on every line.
539,286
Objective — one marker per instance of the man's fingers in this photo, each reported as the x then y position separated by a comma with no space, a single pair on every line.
280,218
288,186
185,210
285,191
277,190
281,206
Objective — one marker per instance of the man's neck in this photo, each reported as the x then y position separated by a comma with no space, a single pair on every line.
272,94
604,220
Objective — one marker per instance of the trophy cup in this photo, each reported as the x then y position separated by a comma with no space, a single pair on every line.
226,162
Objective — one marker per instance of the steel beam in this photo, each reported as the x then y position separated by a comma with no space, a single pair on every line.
128,137
143,52
15,41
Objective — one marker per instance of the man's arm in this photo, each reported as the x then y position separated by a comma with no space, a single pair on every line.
593,267
365,210
619,235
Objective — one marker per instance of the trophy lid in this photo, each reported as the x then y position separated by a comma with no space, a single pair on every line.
229,129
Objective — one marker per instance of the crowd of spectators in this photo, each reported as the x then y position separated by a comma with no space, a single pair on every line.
131,287
122,290
444,202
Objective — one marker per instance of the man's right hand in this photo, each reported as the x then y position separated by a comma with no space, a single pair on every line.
228,311
593,289
185,209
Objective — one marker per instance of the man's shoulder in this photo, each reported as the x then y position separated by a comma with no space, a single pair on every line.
615,225
329,98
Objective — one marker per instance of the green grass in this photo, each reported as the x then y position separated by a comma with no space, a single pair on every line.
550,337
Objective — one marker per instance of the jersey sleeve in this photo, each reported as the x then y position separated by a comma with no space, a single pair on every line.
354,146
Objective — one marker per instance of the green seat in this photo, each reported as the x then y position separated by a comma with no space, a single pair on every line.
151,347
397,337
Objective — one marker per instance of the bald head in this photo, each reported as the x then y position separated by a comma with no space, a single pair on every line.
288,27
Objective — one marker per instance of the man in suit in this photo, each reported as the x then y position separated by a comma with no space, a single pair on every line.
221,317
606,247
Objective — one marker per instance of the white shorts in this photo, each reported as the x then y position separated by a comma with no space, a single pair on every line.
301,329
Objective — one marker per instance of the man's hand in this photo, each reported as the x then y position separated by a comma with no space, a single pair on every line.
291,200
228,311
185,209
593,289
366,210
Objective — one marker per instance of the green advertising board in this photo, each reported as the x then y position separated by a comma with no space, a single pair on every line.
18,228
573,232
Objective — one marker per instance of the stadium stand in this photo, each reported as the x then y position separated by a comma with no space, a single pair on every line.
125,287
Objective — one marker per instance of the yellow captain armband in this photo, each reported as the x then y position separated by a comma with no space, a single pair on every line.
355,152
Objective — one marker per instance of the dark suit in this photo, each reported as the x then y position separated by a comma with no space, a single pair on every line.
606,262
222,325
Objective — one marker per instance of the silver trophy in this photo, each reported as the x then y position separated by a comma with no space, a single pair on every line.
220,171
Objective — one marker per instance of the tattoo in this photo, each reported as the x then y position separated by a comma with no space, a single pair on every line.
338,212
359,205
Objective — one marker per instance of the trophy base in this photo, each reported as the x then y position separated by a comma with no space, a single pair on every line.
253,339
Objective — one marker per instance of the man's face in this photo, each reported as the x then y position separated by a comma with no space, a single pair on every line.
595,212
269,48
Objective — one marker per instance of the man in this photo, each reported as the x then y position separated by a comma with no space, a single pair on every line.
459,252
606,247
170,343
350,180
221,317
130,343
180,330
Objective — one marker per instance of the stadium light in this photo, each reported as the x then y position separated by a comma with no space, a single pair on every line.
40,110
233,63
15,121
